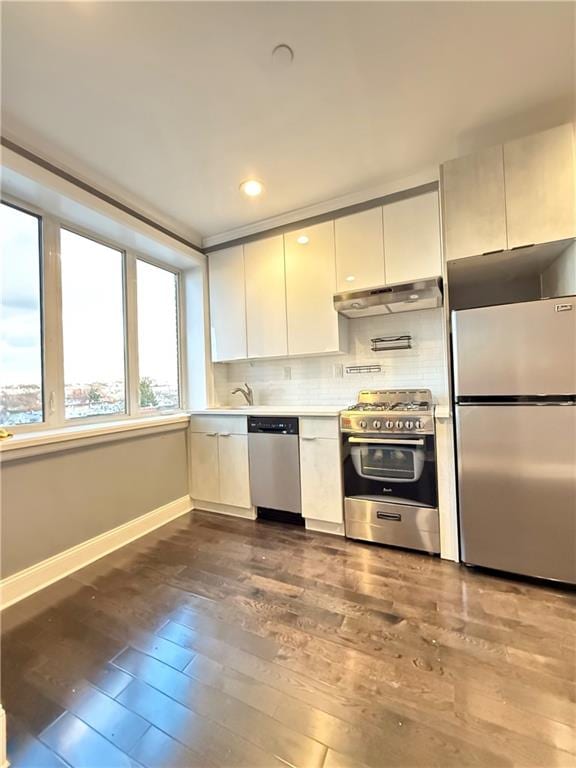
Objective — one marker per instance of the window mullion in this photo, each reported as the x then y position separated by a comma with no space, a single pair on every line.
131,335
52,318
182,350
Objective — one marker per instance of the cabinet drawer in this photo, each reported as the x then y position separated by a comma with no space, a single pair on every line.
320,426
235,425
400,525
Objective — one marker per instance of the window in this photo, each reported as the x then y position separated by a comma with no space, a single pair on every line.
21,400
87,329
157,291
92,326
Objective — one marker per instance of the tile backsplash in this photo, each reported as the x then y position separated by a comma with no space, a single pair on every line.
323,379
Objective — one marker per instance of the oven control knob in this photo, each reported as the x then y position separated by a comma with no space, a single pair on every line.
376,424
362,424
399,425
409,424
389,424
418,424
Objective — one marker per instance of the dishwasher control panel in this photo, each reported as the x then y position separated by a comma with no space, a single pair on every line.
280,425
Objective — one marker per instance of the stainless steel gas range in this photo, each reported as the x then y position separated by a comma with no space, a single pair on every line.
389,456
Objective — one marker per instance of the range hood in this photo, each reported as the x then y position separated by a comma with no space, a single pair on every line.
390,299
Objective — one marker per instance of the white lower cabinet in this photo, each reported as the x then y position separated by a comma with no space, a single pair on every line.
233,470
204,472
321,479
219,471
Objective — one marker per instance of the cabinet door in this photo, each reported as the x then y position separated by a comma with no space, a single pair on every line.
540,198
204,469
359,250
234,473
227,304
320,479
473,204
313,325
266,298
412,238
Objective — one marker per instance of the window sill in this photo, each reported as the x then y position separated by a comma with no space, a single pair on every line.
25,444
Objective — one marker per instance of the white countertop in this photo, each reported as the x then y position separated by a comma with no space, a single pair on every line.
440,411
267,410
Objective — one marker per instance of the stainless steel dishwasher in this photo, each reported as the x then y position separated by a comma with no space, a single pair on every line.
274,457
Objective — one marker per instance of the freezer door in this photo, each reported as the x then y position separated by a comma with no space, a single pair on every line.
517,488
516,349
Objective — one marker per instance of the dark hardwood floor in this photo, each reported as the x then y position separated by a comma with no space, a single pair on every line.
222,642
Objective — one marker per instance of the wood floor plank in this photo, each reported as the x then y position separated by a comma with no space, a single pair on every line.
218,744
267,733
26,751
219,642
158,750
82,747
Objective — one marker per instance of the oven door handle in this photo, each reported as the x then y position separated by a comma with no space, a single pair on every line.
378,441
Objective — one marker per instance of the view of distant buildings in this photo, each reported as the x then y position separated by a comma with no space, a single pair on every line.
22,403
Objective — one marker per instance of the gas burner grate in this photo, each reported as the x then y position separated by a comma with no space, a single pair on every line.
413,406
369,407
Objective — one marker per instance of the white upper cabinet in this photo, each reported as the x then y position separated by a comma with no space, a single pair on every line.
504,197
540,195
474,204
313,323
227,304
359,250
412,238
265,298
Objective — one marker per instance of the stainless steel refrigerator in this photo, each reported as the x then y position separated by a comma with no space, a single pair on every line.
515,388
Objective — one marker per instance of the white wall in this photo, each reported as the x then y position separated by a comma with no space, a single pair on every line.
313,380
560,277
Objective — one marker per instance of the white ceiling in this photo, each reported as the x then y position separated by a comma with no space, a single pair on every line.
168,106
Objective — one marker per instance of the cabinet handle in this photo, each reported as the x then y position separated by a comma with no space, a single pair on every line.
211,434
224,434
303,437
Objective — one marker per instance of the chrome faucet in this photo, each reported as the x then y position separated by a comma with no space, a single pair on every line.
248,394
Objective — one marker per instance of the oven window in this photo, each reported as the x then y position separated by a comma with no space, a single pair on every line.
382,462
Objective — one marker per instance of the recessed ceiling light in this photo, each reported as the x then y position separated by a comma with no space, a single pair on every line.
413,296
282,56
350,278
303,239
252,187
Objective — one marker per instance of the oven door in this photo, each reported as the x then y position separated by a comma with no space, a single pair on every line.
400,461
397,469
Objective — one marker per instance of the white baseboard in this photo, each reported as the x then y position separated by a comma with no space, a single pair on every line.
248,513
40,575
322,526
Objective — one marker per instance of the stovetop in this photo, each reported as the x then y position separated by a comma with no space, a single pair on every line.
412,406
392,411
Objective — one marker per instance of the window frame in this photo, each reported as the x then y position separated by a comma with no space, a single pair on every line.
179,333
69,422
53,385
32,210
